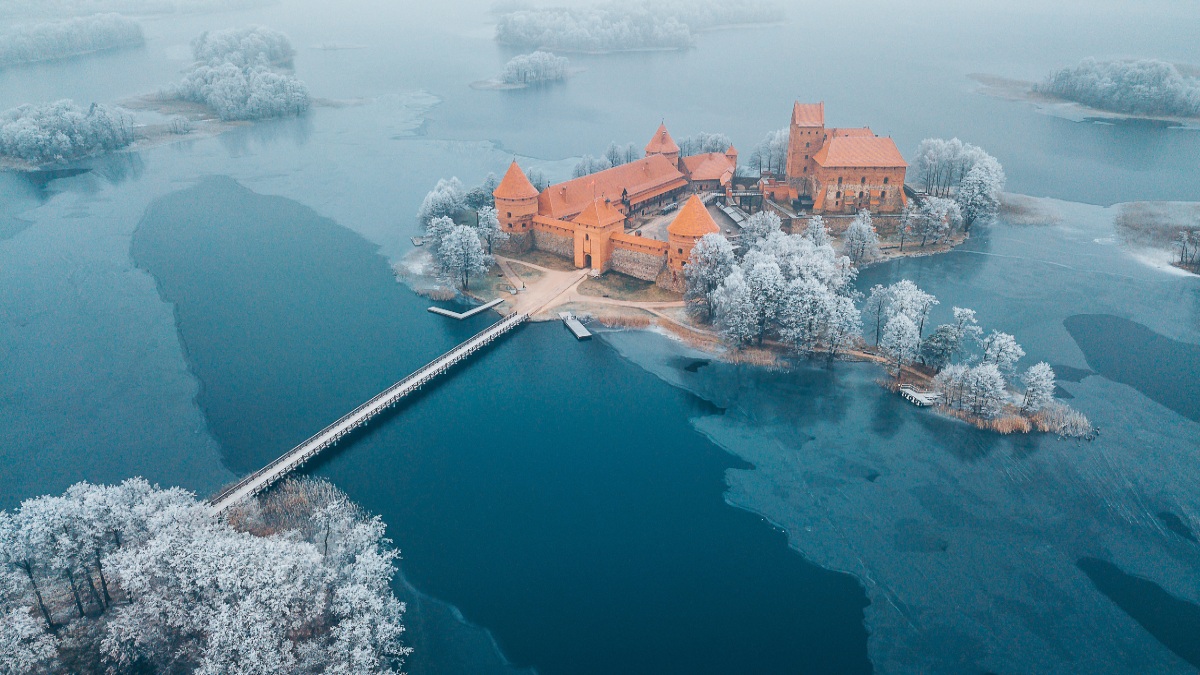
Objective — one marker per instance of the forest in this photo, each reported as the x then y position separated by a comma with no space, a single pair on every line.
62,131
132,578
618,26
1141,87
236,75
535,68
70,8
33,43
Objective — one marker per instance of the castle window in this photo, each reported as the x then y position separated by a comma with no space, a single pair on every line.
839,180
510,214
860,194
883,195
806,145
838,195
864,180
885,180
681,251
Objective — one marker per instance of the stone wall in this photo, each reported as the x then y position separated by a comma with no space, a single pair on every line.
644,266
517,242
554,243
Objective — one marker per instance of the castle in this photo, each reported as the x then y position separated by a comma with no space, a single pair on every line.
597,220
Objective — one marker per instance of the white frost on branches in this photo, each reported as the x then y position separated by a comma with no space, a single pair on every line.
861,242
535,68
32,43
1139,87
62,131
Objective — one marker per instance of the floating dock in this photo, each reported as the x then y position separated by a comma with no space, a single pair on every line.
918,397
467,314
578,329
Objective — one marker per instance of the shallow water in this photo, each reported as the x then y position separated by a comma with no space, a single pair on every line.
563,498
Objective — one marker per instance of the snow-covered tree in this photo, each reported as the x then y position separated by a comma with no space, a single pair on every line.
537,177
1039,387
766,283
978,196
906,298
900,340
735,305
701,143
235,75
62,131
711,261
460,256
481,195
984,389
617,154
861,242
1002,350
535,68
942,164
447,198
588,165
952,340
951,383
875,308
488,228
935,218
770,155
32,43
1141,87
758,227
817,233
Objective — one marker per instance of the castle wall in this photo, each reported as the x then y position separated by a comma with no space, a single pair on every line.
638,257
517,242
882,190
554,242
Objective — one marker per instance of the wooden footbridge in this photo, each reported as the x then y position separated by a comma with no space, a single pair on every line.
297,456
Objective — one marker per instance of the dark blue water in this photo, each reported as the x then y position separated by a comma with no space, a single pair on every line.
582,524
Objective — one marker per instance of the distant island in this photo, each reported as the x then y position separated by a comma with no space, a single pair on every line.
528,70
630,26
1143,89
35,43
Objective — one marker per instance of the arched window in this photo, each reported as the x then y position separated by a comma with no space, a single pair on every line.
681,251
510,214
885,180
883,195
864,180
860,194
839,180
838,195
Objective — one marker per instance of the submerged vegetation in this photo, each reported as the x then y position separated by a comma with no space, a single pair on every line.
131,578
237,75
62,132
1134,87
620,26
33,43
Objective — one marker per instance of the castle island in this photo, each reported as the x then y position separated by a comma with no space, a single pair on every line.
628,218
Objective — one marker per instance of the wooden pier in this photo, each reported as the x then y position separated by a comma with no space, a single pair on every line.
575,326
467,314
297,456
918,397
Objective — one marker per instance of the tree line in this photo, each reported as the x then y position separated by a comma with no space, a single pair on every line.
32,43
1135,87
132,578
70,8
62,131
459,250
235,75
962,172
535,68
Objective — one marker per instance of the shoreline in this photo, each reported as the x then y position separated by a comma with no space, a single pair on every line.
1009,89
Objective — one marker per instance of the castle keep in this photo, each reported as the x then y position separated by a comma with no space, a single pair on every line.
596,220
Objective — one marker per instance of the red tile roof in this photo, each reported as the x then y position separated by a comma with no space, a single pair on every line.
808,114
693,220
857,131
600,213
708,166
662,143
515,185
859,152
643,179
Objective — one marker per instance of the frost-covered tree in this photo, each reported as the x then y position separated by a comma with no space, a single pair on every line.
588,165
875,308
488,228
908,299
535,68
298,583
770,155
617,154
447,198
942,164
460,256
702,143
935,218
860,242
235,75
62,131
766,283
735,305
952,340
817,233
758,227
32,43
481,195
711,261
1002,350
1138,87
610,28
537,177
1039,387
984,389
978,196
900,341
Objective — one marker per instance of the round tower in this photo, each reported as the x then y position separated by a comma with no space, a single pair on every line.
516,205
692,223
663,144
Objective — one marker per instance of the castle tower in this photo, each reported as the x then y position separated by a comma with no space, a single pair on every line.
662,144
732,154
516,205
692,223
594,228
806,136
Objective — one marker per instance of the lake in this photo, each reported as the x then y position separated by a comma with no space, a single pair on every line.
627,505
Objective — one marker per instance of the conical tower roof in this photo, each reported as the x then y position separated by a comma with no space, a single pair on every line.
662,143
600,213
515,185
693,220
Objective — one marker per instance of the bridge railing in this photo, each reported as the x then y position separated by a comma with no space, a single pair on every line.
510,318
